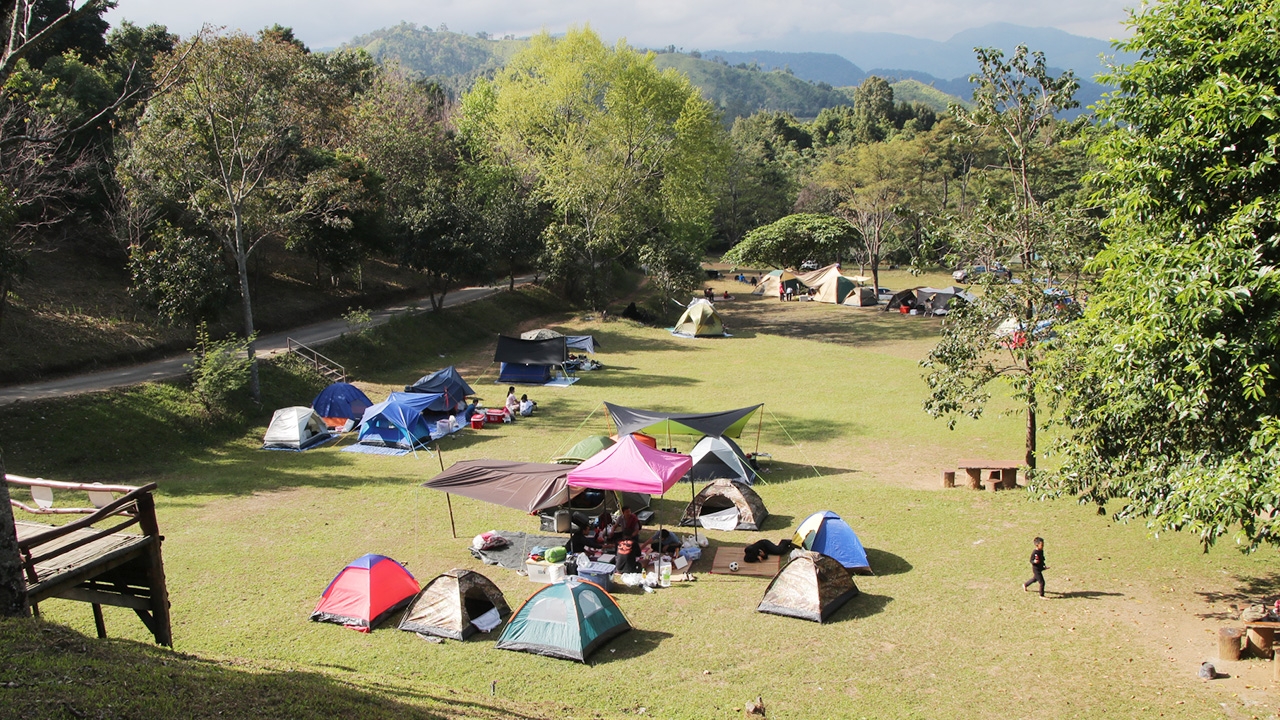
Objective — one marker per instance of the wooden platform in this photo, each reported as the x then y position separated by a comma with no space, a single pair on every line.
766,568
109,557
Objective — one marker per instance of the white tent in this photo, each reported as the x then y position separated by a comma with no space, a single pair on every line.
295,428
720,457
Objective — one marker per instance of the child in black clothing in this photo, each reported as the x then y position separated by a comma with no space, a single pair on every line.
762,549
1037,567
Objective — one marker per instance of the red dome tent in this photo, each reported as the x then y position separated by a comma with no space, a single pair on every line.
365,593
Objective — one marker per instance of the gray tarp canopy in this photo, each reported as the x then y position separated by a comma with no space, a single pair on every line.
551,351
727,423
523,486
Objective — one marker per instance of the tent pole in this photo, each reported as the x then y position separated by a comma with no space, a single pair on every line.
452,529
693,497
759,423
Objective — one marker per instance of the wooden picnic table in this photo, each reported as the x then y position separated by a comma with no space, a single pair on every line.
1260,636
1004,473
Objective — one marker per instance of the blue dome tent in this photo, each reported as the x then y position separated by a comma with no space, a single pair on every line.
824,532
339,403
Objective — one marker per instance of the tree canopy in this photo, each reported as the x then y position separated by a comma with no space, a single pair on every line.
1169,390
793,240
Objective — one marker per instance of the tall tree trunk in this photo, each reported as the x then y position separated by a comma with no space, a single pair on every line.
875,273
4,298
13,586
246,305
1031,431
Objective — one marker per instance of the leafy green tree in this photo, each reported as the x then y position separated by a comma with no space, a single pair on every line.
625,154
1169,392
1005,333
793,240
181,275
219,368
222,146
401,130
339,213
760,181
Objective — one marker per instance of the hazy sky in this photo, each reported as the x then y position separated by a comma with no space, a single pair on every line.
700,24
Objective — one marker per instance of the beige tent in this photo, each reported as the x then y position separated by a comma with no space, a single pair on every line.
811,587
729,500
700,319
448,604
829,285
862,297
774,282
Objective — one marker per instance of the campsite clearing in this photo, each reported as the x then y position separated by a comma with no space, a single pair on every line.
252,539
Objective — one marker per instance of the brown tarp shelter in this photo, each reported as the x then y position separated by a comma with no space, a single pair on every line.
448,604
810,587
723,494
529,487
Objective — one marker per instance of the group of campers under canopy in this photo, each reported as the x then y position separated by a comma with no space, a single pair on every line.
573,615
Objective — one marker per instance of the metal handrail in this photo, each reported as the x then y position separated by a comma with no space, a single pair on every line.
329,364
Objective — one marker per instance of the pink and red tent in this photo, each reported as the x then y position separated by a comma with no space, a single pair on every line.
366,592
631,466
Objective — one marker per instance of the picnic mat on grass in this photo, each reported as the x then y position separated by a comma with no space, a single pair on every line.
513,556
724,555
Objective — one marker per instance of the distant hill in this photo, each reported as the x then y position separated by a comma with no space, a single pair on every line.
816,67
740,91
452,59
914,91
952,58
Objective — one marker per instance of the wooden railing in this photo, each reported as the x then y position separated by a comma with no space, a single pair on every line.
327,367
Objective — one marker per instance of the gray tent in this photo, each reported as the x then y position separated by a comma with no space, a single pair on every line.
901,298
723,496
811,587
720,457
448,604
295,428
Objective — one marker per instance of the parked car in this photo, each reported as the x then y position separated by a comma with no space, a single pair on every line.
809,265
999,271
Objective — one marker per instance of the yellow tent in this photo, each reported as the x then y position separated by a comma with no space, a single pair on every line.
700,319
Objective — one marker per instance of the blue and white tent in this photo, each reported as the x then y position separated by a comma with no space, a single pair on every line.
339,403
825,532
396,423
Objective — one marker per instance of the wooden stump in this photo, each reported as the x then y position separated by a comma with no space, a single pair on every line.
1275,663
1009,478
1229,643
994,481
975,478
1258,641
948,478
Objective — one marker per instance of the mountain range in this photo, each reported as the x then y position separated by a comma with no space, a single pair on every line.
800,73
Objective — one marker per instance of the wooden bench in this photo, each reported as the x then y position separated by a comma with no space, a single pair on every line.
1004,473
93,559
1259,637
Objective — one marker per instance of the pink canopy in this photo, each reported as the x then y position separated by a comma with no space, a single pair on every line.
631,466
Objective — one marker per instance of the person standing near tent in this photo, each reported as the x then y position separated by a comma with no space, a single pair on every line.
1038,567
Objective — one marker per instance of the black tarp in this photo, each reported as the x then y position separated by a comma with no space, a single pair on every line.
727,423
524,486
551,351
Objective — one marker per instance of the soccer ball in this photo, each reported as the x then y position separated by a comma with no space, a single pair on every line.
733,567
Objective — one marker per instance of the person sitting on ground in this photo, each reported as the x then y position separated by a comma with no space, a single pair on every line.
665,542
760,550
513,405
627,559
628,525
578,541
526,406
726,294
604,528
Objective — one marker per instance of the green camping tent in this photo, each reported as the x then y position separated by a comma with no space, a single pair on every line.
700,319
569,620
585,448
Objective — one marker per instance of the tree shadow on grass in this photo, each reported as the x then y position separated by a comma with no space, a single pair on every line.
641,380
864,605
614,342
58,672
1084,594
801,429
1264,589
775,473
633,643
886,563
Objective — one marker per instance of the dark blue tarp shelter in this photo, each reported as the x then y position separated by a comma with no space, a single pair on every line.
446,382
521,373
395,423
341,402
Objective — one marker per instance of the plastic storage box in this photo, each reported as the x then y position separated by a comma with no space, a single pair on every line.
545,572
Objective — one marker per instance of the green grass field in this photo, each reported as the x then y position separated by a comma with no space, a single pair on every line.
942,630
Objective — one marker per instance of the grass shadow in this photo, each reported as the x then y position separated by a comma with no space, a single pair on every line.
774,472
886,563
1264,589
55,671
1084,594
863,606
801,429
776,523
630,644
